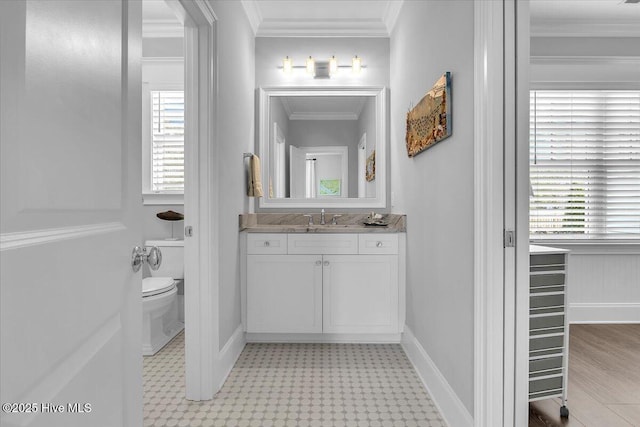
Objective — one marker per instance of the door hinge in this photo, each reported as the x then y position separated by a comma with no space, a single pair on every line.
509,239
188,231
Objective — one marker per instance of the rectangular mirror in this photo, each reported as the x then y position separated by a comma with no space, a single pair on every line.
323,147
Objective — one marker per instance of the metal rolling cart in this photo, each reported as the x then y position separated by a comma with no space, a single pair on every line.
548,325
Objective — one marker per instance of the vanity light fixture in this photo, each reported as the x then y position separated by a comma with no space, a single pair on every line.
356,65
322,69
333,65
287,65
311,66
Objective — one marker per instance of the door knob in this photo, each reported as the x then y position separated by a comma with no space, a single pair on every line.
136,259
318,262
326,263
151,255
379,244
154,257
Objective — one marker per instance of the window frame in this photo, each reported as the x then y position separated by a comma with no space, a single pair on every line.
150,197
572,241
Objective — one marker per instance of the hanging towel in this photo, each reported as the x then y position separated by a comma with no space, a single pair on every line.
255,183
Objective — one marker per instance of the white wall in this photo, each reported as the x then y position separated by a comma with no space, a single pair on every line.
435,188
603,280
234,136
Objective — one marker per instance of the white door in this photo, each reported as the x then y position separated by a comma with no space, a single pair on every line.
71,206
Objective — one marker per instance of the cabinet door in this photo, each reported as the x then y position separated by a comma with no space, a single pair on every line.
284,293
360,294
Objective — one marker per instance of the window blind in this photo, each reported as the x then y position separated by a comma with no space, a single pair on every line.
167,141
585,164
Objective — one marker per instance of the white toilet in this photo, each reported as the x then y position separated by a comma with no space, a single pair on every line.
162,314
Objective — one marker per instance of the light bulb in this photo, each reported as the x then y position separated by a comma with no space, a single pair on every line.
333,65
356,65
287,65
311,66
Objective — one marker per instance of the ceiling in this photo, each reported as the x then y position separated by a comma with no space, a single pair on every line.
584,18
322,18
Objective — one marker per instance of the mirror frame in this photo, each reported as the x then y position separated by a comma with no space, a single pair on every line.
382,147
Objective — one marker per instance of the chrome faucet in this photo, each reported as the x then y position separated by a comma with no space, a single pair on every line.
322,221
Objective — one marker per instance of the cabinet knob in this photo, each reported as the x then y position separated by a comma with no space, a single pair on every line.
378,244
326,263
318,262
267,244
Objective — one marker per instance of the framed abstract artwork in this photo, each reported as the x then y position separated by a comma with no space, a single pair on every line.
429,122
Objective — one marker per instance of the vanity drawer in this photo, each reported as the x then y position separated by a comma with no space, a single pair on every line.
323,244
261,243
378,243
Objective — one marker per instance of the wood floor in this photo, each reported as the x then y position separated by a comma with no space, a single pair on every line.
604,380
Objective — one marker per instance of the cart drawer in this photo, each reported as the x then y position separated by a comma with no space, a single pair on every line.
549,259
546,322
545,384
541,280
546,366
542,301
543,343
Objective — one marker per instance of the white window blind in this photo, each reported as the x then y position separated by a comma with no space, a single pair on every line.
167,141
585,164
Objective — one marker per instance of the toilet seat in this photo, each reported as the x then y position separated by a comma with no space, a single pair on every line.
156,285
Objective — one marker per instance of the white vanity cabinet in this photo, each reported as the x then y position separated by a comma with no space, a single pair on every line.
360,294
330,285
284,293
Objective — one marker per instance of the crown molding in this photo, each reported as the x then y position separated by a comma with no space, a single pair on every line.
162,29
252,10
391,14
564,28
322,28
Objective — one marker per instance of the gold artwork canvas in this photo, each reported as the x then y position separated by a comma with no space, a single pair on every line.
429,122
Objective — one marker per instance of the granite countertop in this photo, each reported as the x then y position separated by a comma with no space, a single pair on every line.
297,223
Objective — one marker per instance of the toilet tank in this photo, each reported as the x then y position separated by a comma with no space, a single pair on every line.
172,258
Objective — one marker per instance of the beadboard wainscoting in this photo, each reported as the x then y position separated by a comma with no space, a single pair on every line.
603,283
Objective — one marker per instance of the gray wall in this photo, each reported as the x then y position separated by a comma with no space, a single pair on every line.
234,136
163,47
435,188
327,133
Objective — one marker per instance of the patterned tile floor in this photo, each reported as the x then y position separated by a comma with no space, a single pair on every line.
294,385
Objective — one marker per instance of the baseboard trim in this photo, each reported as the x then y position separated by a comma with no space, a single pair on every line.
604,313
325,338
451,408
229,355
